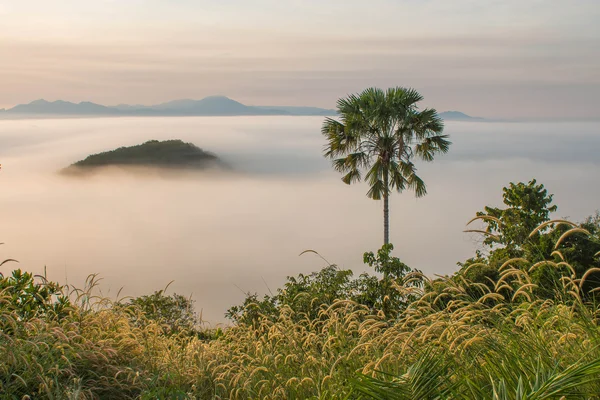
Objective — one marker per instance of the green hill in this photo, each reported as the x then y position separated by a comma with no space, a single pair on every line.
154,153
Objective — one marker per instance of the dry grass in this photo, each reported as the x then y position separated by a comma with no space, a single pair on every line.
485,341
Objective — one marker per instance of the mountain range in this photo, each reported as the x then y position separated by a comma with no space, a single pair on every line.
209,106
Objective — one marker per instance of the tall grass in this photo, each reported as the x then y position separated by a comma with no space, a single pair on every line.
459,340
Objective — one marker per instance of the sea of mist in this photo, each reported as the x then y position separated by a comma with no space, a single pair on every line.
220,235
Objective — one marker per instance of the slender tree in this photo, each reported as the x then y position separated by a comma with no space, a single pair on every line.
380,133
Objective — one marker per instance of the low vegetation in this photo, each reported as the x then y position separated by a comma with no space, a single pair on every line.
517,321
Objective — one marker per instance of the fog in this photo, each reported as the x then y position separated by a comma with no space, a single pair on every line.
220,235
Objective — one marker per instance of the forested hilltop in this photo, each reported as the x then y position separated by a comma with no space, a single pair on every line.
154,153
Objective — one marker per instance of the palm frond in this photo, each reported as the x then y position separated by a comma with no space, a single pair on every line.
397,179
377,190
376,172
417,184
352,176
430,146
568,382
411,96
378,134
427,378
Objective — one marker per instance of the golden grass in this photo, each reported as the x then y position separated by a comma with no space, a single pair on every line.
97,352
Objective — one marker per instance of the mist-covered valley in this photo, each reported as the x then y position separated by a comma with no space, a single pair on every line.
218,235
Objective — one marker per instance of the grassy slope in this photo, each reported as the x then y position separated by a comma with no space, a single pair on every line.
506,345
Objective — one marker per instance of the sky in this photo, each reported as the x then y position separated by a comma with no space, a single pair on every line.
493,58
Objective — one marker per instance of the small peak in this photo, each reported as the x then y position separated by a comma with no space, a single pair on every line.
224,99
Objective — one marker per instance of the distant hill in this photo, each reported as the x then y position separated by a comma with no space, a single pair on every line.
457,116
154,153
213,105
127,107
209,106
300,110
60,107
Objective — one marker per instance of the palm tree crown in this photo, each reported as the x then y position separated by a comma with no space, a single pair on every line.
379,133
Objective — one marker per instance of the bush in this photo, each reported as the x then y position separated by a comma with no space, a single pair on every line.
175,313
28,299
306,294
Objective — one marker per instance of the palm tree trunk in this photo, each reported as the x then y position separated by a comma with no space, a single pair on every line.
386,212
386,240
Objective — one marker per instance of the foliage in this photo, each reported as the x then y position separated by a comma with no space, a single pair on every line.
511,233
95,351
428,378
528,206
29,299
175,313
505,343
167,153
379,134
254,309
582,250
381,294
382,131
384,263
306,294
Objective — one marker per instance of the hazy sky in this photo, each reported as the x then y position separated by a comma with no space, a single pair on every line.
493,58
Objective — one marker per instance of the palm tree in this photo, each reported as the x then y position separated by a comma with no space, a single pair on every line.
381,133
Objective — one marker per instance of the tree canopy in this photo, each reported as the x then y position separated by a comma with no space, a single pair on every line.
524,230
378,136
